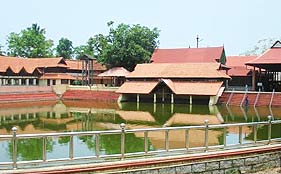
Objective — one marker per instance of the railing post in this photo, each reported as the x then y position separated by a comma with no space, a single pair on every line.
166,138
269,128
146,142
255,133
240,134
224,137
71,147
206,134
187,139
44,148
122,126
97,145
14,129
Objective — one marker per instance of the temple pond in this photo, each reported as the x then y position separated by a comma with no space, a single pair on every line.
64,116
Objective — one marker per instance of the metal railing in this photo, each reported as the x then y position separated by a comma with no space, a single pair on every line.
14,138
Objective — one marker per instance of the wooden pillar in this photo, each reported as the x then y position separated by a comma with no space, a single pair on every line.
254,79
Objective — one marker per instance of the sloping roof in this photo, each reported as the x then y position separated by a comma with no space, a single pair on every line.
190,55
137,87
77,65
178,87
16,64
270,59
237,65
55,76
177,70
193,88
115,72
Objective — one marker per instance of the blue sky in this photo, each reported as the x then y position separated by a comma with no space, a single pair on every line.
236,24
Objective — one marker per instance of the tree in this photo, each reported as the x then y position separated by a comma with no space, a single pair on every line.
30,42
261,46
64,48
2,53
125,45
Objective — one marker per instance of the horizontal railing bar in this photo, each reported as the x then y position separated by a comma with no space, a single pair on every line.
90,133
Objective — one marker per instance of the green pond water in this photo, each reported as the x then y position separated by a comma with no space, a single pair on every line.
65,116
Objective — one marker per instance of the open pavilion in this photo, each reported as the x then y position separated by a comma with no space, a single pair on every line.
267,69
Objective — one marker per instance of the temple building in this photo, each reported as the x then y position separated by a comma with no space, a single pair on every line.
189,55
267,69
15,71
200,83
241,75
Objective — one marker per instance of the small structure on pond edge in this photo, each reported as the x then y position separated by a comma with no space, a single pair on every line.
199,83
116,74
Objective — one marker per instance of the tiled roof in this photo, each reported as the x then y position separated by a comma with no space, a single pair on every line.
237,65
271,56
177,70
77,65
115,72
16,64
55,76
137,87
178,87
191,55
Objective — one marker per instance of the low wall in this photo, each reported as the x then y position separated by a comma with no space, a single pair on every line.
220,162
24,89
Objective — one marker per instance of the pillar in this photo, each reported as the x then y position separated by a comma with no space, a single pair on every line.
154,107
154,98
12,81
34,81
190,100
172,98
172,108
138,98
20,81
1,82
254,79
163,97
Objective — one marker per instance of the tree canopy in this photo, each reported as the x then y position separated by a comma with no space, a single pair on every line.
125,45
261,46
30,42
64,48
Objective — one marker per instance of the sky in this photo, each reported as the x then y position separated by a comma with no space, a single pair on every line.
235,24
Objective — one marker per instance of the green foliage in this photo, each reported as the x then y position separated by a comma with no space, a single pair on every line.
124,46
2,53
64,48
30,42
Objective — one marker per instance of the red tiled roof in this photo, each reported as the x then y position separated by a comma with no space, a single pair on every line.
55,76
271,56
178,87
77,65
191,55
177,70
237,65
16,64
115,72
137,87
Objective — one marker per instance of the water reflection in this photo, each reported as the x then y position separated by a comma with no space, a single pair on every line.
41,117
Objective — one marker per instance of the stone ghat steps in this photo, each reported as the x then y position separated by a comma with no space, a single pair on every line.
262,100
28,97
90,95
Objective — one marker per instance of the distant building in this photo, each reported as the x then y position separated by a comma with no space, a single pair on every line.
41,71
241,75
174,82
189,55
267,69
